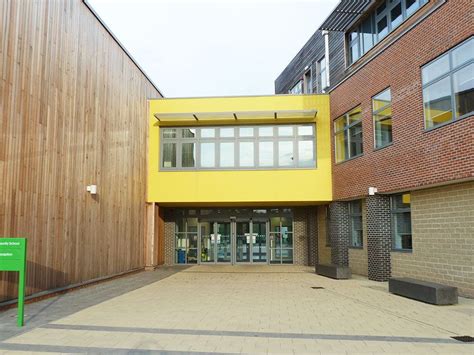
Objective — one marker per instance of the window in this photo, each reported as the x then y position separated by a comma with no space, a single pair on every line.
355,215
240,147
401,222
308,82
169,155
377,25
186,240
323,74
382,116
448,86
348,135
297,89
281,240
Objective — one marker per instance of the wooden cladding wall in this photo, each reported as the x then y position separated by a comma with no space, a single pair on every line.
73,113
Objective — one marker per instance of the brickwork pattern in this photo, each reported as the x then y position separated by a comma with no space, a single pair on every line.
300,236
339,227
416,157
379,237
443,238
169,226
358,257
312,220
324,250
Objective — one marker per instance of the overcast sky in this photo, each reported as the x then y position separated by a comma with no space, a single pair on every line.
213,47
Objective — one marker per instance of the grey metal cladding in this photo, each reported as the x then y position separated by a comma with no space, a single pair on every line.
345,13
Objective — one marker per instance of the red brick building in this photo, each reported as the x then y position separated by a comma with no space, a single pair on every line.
400,75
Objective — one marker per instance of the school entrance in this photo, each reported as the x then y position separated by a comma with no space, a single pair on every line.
234,236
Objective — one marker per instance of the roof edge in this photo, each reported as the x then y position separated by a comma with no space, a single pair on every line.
96,15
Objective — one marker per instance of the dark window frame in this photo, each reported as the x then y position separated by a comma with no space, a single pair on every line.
352,216
275,138
395,211
322,73
347,128
384,118
375,17
449,74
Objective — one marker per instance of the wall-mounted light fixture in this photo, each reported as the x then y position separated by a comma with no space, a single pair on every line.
92,189
372,191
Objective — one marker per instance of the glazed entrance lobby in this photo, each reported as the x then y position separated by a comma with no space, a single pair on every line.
238,180
234,236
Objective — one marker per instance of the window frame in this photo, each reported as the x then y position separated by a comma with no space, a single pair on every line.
394,211
376,112
347,128
295,138
374,19
300,84
449,74
322,73
308,83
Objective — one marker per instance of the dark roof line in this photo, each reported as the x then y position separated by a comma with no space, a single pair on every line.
91,9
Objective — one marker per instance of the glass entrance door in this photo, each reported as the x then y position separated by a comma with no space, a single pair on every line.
223,239
208,243
259,242
243,242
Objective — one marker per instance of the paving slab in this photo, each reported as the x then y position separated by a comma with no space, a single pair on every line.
239,309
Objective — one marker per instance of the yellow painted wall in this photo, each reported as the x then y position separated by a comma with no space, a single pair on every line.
293,186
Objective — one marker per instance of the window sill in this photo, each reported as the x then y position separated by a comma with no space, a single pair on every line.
469,115
408,251
187,170
383,147
356,248
345,161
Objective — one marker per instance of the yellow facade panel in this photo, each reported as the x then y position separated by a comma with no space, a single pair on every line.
250,187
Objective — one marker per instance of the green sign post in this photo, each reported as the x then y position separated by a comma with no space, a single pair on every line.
13,258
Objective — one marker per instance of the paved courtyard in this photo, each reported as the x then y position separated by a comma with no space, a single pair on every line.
238,309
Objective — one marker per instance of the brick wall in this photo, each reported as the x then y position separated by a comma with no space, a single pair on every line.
358,257
416,157
324,251
312,220
379,237
443,238
339,231
300,236
169,226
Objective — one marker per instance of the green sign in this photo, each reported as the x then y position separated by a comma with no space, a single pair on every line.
13,258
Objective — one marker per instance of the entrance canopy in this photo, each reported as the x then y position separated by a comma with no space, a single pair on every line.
236,110
236,115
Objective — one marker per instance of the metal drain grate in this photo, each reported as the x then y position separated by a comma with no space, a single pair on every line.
317,288
464,338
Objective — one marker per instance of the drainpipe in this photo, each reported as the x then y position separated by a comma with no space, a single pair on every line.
325,34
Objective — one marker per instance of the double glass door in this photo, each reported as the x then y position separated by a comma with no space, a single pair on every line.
233,242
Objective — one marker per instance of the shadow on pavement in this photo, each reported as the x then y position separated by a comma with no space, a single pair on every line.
51,309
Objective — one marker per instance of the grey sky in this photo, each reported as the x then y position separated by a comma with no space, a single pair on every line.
213,47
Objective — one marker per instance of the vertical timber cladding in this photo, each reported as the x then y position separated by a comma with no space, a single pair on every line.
73,113
379,238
